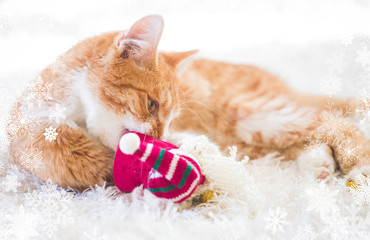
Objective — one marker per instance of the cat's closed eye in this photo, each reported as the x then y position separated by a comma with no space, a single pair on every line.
152,106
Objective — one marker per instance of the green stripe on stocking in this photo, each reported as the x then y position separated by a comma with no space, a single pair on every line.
184,176
159,159
165,189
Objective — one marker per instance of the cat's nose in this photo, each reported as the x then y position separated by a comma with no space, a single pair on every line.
156,133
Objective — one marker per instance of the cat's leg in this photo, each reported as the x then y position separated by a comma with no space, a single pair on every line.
317,159
314,158
72,159
277,123
283,124
350,146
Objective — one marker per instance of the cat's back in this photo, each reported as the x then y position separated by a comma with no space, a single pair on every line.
217,79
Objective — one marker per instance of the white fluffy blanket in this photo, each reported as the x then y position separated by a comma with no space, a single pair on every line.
260,199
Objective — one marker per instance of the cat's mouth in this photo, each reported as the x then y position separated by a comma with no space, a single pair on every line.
142,131
125,130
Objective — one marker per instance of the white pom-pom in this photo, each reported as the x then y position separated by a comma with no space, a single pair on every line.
129,143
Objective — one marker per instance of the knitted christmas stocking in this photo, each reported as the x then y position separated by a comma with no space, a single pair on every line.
159,166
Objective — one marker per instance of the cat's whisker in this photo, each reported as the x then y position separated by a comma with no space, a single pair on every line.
198,102
195,113
207,107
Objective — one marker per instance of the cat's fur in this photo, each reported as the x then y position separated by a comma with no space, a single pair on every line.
106,81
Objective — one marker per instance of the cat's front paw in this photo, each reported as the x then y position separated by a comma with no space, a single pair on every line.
318,160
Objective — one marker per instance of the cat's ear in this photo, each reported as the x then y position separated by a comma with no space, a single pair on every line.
180,60
140,42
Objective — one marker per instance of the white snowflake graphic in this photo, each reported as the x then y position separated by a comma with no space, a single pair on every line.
10,184
4,137
350,152
31,158
19,122
322,199
363,56
2,167
331,84
5,96
347,40
95,236
365,114
358,225
52,205
58,66
6,22
336,226
337,62
361,191
224,237
41,91
57,113
305,233
21,225
46,20
50,134
331,126
276,222
363,86
364,111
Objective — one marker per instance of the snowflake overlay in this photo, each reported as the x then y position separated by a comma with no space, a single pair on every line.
337,62
19,122
58,66
347,40
350,151
331,84
4,137
2,167
363,86
358,223
276,221
10,183
333,127
52,205
41,91
6,23
336,226
57,113
363,56
21,225
31,158
50,134
321,199
361,191
305,233
95,236
364,111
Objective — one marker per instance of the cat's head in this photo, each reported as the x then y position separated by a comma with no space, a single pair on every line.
137,85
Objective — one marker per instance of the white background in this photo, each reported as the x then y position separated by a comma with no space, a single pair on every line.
293,39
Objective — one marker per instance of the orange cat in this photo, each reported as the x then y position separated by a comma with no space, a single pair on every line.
117,81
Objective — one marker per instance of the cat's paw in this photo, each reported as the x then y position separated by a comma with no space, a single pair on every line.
318,160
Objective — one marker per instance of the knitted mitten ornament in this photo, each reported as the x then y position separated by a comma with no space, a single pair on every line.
160,166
